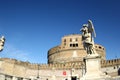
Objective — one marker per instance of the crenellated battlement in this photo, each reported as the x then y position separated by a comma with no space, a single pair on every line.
43,66
107,63
59,66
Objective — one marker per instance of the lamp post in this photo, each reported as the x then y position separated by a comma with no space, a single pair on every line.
83,67
38,73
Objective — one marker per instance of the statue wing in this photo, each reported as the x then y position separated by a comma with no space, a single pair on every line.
91,28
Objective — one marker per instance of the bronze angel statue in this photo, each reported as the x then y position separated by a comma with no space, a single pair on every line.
88,32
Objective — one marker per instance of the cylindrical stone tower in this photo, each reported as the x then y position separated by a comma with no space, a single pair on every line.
71,50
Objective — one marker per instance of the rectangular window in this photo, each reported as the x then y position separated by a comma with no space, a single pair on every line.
64,40
76,39
70,39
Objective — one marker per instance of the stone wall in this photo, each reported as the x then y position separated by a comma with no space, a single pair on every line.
11,68
107,63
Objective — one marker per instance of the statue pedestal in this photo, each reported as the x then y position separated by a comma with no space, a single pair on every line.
93,66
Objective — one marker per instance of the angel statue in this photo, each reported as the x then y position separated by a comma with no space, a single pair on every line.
88,32
2,42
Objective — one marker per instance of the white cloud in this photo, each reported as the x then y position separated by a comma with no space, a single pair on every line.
11,51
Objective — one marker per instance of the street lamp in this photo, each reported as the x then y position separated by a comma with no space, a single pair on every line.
38,73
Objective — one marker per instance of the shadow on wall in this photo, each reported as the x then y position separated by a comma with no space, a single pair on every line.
118,71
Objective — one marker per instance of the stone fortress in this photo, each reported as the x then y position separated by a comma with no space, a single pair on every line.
71,50
65,62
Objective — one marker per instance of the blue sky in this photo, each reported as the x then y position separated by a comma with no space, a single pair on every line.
32,27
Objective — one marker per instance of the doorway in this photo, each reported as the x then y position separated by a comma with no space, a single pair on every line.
73,78
119,72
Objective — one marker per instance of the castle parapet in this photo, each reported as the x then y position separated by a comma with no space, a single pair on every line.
107,63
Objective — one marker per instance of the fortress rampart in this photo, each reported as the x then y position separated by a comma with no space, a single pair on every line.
76,65
13,68
107,63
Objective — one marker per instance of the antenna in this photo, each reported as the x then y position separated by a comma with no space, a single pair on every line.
116,56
